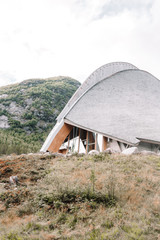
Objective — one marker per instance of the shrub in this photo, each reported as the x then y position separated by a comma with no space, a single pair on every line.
12,236
68,196
32,226
26,210
14,198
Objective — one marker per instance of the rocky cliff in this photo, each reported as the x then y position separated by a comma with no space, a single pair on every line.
28,110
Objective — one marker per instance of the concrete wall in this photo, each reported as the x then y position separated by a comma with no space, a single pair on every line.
148,147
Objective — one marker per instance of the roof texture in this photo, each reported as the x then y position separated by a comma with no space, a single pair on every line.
124,104
99,74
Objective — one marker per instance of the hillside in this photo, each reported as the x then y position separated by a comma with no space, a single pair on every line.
102,197
28,111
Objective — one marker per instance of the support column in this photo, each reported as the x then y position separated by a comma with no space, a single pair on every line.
79,139
87,142
104,143
91,141
68,143
96,136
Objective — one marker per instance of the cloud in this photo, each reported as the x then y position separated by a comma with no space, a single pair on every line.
97,9
6,78
114,7
48,38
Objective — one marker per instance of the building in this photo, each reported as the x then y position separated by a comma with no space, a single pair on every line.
118,106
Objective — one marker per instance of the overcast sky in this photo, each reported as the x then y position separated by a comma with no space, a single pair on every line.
46,38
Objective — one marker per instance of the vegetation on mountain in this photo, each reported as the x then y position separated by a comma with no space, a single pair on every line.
28,111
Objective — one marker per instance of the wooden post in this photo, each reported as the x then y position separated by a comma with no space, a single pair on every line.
79,139
91,141
96,141
68,143
104,143
87,142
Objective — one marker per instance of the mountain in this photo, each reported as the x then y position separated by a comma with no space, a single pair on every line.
28,111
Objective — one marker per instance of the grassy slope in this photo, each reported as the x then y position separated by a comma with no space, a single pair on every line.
51,201
41,100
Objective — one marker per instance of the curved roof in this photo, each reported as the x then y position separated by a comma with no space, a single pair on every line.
125,105
99,74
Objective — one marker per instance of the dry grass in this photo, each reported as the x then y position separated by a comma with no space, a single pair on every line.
48,203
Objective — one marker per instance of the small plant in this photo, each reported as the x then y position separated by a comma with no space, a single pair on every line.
108,224
31,227
73,222
12,236
99,157
133,232
51,226
62,218
118,213
93,180
26,210
111,185
95,235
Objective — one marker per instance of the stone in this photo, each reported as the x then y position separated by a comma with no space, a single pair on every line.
13,180
29,101
93,152
3,96
4,122
15,109
130,151
58,155
110,150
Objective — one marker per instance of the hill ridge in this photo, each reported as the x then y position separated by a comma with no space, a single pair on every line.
31,108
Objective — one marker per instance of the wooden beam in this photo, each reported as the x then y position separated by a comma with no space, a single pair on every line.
87,142
60,137
79,139
91,141
68,143
96,135
104,143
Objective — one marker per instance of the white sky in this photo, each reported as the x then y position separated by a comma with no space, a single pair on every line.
47,38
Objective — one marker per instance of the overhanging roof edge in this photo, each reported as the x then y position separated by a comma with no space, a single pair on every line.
104,134
148,140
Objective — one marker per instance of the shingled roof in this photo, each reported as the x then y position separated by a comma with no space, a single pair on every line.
125,106
118,101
